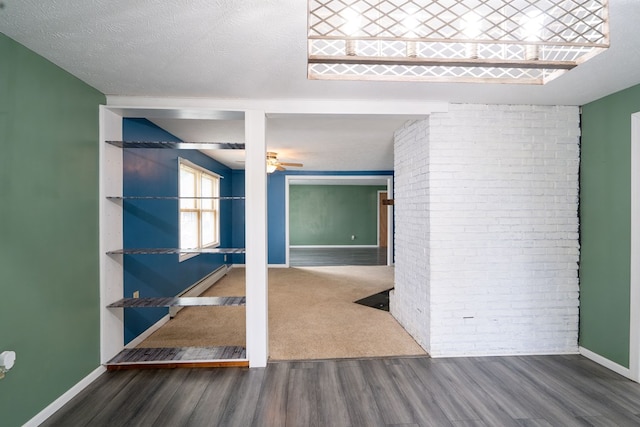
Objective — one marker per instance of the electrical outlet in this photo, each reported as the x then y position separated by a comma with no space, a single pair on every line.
136,294
225,258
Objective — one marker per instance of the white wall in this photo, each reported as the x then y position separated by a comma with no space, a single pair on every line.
500,263
411,302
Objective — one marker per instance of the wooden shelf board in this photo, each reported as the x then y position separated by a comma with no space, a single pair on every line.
179,145
179,302
169,251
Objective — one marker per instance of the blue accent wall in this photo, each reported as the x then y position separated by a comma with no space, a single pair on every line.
237,215
154,223
276,220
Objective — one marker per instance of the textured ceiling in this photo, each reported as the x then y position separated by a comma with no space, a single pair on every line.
320,143
256,49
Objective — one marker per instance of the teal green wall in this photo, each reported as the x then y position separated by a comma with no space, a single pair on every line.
330,214
49,282
605,224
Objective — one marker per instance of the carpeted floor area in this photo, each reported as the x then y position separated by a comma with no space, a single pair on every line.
312,315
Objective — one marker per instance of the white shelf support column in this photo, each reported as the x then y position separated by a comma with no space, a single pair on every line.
111,268
634,327
256,238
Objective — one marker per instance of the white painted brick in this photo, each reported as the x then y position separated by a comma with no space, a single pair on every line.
487,230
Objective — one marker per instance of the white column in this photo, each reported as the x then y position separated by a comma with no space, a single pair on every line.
256,238
111,268
634,327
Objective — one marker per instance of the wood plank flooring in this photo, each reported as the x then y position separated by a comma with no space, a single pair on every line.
409,391
313,257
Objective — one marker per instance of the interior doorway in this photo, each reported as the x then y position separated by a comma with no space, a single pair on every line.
383,219
360,255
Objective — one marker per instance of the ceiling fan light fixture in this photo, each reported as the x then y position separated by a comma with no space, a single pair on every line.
492,41
271,168
273,164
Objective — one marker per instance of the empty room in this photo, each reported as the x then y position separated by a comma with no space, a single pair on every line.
273,163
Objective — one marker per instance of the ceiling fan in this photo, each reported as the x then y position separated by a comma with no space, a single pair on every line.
274,165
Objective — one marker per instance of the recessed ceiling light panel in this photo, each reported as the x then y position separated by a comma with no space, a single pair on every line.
502,41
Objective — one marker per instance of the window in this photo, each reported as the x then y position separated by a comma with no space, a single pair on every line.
199,207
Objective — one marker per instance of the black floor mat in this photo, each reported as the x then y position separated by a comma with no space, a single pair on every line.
379,301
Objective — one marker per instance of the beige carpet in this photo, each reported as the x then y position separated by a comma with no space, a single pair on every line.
312,315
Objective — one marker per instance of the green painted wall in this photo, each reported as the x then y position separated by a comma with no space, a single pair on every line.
605,224
330,214
49,283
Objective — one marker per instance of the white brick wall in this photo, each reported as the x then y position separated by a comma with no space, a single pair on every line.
411,303
498,249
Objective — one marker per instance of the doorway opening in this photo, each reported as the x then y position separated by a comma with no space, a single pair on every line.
255,126
321,230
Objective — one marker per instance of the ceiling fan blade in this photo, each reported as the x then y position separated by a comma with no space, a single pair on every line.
280,168
298,165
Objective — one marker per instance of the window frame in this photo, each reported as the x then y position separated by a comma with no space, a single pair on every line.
198,209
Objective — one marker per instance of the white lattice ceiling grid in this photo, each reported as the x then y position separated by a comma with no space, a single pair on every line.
517,41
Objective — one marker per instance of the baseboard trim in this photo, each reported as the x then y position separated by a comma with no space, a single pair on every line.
529,353
146,334
43,415
278,266
619,369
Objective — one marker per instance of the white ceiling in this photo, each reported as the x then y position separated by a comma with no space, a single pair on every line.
256,49
320,143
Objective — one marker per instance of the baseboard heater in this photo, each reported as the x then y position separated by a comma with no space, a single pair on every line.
201,286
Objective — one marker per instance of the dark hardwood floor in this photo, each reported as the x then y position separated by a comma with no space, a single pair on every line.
411,391
313,257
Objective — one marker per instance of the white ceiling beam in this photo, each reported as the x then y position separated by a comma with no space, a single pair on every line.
227,109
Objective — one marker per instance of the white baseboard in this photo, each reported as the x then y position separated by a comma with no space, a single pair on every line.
619,369
278,266
147,333
506,354
66,397
194,290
